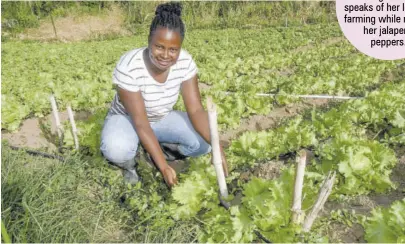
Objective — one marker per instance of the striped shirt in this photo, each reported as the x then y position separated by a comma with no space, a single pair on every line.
131,74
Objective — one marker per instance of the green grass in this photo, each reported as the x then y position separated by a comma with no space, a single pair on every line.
81,200
49,201
16,16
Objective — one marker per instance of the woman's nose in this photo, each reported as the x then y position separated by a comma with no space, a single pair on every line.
166,54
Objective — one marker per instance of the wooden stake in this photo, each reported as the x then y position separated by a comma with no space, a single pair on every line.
53,24
324,193
297,213
59,129
74,129
216,152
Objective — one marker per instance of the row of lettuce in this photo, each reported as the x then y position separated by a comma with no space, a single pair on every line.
299,60
355,138
351,138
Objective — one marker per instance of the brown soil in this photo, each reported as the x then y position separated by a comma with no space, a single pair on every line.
327,42
79,28
339,232
32,136
363,204
264,122
29,135
269,170
179,165
32,133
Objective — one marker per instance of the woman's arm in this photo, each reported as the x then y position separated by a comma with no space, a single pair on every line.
198,116
135,106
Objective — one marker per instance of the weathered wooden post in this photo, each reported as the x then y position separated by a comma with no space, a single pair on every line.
324,193
297,213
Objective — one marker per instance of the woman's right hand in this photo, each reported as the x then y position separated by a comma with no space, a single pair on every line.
170,176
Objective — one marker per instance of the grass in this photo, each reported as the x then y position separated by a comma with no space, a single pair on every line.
80,200
197,15
48,201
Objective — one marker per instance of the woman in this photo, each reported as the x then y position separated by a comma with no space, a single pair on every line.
149,81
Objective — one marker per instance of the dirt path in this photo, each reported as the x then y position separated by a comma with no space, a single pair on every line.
264,122
79,28
327,42
34,133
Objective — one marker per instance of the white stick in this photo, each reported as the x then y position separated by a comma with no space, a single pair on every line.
216,152
308,96
297,213
74,129
324,193
302,96
59,129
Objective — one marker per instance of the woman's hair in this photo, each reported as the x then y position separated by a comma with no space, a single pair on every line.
168,15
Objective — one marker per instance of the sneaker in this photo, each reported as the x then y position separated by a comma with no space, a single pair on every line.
171,151
130,176
129,172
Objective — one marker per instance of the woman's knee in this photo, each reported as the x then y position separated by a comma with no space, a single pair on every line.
198,148
204,148
118,150
119,141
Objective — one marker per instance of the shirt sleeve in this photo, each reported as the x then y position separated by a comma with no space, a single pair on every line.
192,69
122,77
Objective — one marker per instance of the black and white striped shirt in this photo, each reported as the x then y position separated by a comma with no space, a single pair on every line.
131,74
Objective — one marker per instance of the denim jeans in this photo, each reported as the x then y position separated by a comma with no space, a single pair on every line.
119,140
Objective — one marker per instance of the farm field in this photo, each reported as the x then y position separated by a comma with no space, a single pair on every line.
80,198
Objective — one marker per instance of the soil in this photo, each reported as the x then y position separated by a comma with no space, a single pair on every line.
79,28
269,170
327,42
265,122
32,136
339,232
363,204
32,133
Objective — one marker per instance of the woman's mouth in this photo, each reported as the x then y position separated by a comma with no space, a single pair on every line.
163,63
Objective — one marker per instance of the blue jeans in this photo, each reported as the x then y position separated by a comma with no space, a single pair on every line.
119,140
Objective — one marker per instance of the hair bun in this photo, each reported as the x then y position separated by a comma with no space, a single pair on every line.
170,8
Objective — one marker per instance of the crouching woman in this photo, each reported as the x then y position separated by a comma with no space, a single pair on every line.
149,81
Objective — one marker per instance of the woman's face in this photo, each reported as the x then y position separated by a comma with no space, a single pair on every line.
164,48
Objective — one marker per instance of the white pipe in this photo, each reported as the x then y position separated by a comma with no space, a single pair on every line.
56,116
302,96
74,129
216,152
308,96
